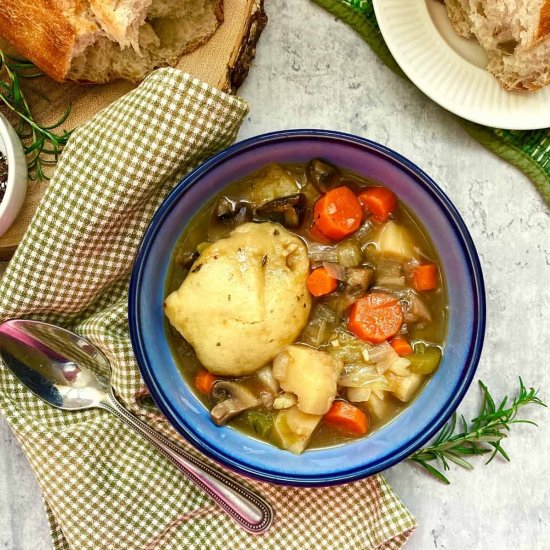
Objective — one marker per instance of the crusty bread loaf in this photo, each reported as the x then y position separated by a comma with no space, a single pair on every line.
515,34
104,40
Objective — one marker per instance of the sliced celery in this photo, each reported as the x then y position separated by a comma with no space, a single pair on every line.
425,359
349,254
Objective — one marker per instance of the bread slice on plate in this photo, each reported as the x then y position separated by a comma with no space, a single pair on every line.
104,40
515,34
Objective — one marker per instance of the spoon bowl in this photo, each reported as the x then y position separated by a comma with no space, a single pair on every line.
57,365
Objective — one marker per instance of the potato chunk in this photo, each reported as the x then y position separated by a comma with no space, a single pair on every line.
379,408
405,388
310,374
244,299
294,428
394,241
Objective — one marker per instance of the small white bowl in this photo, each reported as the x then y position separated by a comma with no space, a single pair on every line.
16,186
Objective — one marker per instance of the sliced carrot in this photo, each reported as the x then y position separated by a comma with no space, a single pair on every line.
317,235
204,381
320,282
347,418
424,277
375,317
379,201
338,213
401,346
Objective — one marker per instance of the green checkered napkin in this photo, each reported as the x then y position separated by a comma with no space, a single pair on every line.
528,151
104,486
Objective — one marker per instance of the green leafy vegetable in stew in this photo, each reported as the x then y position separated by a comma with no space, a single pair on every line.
306,306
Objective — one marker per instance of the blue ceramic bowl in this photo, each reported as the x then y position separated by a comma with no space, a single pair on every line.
406,433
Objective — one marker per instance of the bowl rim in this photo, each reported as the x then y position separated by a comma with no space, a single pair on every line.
16,185
458,226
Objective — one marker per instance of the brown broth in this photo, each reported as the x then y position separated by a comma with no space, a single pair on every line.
197,232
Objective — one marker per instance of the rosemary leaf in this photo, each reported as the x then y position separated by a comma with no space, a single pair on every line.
436,473
42,144
483,435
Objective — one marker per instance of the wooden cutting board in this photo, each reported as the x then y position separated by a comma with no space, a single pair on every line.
222,62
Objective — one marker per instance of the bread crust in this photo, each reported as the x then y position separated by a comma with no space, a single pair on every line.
544,21
41,32
242,57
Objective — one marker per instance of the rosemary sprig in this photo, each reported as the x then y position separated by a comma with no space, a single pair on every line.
42,144
483,435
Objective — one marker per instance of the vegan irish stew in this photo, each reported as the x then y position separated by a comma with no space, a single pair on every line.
306,306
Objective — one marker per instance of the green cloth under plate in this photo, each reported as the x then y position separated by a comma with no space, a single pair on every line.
528,150
104,486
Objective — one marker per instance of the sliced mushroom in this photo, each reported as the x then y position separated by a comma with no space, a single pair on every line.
340,302
415,309
323,175
360,277
288,211
226,215
389,273
236,398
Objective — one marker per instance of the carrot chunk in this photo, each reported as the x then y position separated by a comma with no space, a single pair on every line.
204,381
379,201
317,236
320,282
338,213
424,277
347,418
375,317
401,347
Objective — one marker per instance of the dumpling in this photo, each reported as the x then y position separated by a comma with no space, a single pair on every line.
244,299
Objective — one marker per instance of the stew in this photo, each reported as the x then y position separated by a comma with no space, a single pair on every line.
306,306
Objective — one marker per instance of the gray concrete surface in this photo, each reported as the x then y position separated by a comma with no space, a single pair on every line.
313,71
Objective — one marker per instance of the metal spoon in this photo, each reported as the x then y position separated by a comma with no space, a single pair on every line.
70,373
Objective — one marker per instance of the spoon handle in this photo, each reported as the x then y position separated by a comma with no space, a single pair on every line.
248,509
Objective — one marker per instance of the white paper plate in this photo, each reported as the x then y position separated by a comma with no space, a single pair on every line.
451,70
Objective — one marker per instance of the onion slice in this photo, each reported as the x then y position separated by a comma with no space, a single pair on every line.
336,271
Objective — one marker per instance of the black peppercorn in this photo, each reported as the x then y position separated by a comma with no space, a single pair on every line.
3,175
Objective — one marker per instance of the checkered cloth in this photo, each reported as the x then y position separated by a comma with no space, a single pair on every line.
103,485
528,151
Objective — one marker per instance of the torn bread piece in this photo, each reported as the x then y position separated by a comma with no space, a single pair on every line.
104,40
515,34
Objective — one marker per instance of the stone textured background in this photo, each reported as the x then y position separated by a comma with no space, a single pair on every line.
313,71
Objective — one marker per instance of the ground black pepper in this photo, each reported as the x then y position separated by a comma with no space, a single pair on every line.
3,175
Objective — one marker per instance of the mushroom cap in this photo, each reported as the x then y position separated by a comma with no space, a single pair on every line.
239,399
